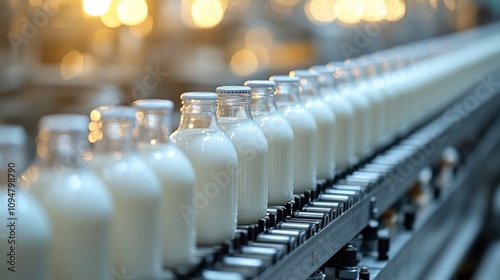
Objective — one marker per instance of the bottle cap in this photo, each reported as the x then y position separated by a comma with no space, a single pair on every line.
284,79
260,83
64,122
303,73
115,112
12,135
154,104
199,96
233,90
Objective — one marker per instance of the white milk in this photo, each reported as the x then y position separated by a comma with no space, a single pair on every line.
177,179
80,209
32,237
304,145
325,139
362,121
215,162
279,135
304,132
344,127
136,196
325,122
251,147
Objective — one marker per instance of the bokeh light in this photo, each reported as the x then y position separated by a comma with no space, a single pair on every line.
244,62
349,11
96,7
206,13
132,12
71,65
320,11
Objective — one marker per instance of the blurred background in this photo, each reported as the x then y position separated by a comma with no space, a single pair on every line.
61,56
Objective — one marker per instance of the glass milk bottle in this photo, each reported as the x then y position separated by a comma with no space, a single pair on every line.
136,193
233,115
325,122
215,163
344,116
279,136
360,105
25,234
176,175
358,96
77,202
304,132
364,73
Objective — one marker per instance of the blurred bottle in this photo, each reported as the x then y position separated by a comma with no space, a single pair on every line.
77,202
136,193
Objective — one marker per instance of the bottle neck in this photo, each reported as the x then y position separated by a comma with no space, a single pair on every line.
198,114
233,106
153,127
117,136
287,92
263,100
68,149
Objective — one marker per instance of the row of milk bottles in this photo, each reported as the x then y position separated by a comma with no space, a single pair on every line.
143,198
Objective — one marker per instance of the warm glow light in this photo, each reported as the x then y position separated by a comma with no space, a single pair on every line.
142,30
320,11
450,4
287,2
395,10
71,65
433,3
96,7
349,11
95,115
244,62
110,18
132,12
261,53
207,13
374,10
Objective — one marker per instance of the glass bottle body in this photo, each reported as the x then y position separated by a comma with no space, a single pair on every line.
344,123
233,115
215,163
325,122
279,136
304,136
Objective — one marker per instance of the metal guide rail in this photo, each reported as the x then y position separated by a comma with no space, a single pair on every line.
444,230
293,241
